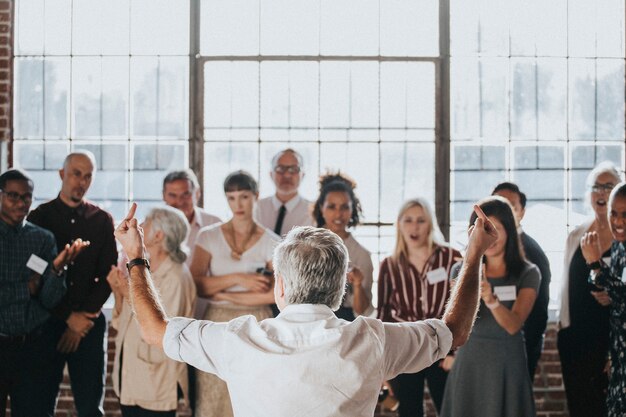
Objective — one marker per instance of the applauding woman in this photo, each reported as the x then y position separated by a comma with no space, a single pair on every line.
490,375
232,264
413,285
136,362
337,208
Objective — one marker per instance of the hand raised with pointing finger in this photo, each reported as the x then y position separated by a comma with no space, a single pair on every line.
481,235
130,235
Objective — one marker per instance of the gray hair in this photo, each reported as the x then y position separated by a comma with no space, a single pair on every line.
81,152
313,263
605,167
185,174
173,224
295,153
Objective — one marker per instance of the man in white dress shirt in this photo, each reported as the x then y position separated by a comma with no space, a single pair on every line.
306,362
286,208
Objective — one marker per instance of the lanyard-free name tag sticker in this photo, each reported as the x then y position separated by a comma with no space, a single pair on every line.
505,292
36,264
436,275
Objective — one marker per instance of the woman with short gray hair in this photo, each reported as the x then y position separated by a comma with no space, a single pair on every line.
165,230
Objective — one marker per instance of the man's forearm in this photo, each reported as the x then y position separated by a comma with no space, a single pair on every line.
463,304
147,306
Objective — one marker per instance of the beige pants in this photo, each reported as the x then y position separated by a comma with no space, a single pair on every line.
212,399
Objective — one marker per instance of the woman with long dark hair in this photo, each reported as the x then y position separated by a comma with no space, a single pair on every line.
489,377
338,209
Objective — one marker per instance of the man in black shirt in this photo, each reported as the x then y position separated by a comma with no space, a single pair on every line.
78,327
536,322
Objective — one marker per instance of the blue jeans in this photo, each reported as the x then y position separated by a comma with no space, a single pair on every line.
86,368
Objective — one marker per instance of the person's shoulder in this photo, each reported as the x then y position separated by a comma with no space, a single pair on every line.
264,202
208,219
580,229
449,252
268,235
92,210
353,244
35,230
210,231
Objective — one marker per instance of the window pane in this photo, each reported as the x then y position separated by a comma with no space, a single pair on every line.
348,96
464,98
582,28
610,28
582,98
101,27
610,99
57,33
229,27
289,95
297,18
159,27
173,98
409,28
115,97
349,27
28,98
30,22
523,99
407,94
552,101
57,92
28,155
86,92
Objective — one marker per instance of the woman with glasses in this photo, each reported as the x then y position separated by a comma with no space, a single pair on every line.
413,285
583,338
338,209
232,264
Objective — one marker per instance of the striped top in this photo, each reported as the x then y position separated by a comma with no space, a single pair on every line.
406,294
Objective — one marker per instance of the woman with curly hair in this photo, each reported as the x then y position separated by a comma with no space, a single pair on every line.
338,209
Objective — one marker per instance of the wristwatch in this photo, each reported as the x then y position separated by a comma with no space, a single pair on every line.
137,261
594,265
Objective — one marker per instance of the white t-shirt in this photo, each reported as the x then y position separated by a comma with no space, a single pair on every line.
212,240
306,361
362,259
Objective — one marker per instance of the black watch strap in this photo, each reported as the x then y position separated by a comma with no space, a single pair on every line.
594,265
137,261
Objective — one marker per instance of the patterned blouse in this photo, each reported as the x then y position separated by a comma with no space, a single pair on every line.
613,279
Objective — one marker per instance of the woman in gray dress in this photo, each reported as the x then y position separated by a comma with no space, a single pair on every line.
489,377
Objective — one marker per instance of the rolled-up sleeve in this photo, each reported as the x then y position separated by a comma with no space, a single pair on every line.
200,343
411,347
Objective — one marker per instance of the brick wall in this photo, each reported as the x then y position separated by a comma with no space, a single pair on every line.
6,70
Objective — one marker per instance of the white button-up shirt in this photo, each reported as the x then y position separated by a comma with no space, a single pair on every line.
200,219
306,362
298,213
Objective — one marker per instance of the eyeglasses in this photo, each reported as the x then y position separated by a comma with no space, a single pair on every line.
14,197
292,169
599,188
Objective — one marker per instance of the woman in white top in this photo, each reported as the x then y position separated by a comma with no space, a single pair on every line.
232,264
136,362
337,208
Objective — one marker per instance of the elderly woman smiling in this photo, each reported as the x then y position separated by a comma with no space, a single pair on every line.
136,362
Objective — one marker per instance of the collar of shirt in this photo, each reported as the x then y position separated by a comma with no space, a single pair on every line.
67,210
197,218
163,270
306,312
290,205
6,228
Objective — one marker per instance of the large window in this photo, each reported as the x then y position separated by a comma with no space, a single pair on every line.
392,93
107,76
537,98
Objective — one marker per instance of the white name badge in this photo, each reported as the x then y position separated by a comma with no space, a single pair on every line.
606,260
505,292
36,264
436,275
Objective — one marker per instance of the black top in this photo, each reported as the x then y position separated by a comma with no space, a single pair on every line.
589,320
87,287
535,324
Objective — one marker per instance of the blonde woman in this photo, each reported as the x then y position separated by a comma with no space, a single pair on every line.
413,285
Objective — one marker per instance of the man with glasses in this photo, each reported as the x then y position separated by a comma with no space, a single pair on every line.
78,325
181,190
32,281
286,208
537,320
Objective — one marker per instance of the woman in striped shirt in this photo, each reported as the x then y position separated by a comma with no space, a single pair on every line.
413,285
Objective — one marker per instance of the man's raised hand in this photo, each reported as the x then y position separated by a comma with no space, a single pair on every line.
130,235
482,234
